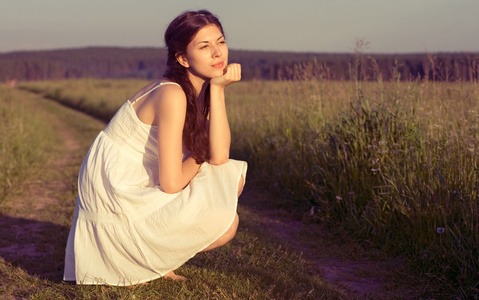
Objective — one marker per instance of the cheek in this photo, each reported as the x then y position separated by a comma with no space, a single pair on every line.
194,62
225,53
201,57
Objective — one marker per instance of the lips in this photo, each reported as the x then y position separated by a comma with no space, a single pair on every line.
219,65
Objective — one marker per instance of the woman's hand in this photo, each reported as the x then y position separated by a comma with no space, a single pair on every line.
232,74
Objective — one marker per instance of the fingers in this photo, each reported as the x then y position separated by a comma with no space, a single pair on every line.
233,72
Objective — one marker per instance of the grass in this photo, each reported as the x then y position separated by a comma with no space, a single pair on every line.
259,271
25,140
391,162
247,268
99,98
395,163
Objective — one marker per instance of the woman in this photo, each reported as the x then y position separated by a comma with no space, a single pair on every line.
157,185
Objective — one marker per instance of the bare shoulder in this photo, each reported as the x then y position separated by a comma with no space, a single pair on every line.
172,90
168,93
169,98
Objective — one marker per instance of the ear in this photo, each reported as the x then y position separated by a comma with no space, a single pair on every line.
182,60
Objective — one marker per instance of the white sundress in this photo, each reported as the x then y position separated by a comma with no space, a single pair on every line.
126,230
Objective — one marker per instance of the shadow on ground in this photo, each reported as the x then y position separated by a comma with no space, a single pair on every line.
35,246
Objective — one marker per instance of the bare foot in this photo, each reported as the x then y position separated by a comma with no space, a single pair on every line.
172,276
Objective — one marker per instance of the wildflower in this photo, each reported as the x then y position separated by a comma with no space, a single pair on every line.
440,230
339,198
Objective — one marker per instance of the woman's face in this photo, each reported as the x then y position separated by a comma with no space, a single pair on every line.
207,54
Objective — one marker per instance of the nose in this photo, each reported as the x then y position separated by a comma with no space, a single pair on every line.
216,51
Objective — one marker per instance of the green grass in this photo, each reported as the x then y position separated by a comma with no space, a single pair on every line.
391,162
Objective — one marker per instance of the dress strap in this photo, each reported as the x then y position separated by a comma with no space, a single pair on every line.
154,88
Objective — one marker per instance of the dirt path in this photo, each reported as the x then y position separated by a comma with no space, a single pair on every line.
32,237
31,240
363,274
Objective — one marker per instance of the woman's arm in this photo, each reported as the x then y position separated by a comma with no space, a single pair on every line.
170,106
219,129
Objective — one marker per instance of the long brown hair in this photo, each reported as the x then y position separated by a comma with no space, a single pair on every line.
178,35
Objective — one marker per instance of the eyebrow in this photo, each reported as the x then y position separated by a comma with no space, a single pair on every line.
207,42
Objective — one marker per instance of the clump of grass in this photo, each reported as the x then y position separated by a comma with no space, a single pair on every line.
383,177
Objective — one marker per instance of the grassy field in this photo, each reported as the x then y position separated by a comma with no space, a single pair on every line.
394,163
36,216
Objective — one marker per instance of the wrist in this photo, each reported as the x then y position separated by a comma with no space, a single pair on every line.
216,88
217,92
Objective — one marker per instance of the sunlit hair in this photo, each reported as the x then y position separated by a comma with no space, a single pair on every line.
178,35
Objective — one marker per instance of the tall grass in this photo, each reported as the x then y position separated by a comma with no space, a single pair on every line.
24,141
395,163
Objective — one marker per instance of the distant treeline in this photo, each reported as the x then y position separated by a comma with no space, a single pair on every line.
112,62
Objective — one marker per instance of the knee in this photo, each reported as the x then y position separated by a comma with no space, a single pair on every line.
230,234
226,237
234,226
240,186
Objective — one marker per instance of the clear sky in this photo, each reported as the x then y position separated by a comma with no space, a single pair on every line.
398,26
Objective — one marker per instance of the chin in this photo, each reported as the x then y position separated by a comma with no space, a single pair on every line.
218,73
207,76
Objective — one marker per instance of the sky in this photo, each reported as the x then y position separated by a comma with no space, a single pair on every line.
320,26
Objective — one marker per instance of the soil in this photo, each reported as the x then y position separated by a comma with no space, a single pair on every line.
328,253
